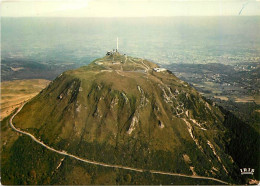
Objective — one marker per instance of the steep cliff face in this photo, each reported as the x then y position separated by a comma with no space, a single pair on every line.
121,110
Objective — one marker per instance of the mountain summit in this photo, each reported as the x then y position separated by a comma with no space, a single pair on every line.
125,111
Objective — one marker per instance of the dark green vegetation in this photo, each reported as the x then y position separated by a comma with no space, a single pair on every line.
243,142
118,110
40,168
247,112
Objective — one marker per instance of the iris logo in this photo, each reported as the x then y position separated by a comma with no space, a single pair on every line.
247,171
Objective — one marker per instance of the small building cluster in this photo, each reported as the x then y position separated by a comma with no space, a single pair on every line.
159,69
111,52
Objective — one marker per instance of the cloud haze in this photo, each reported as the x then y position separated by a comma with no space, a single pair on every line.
127,8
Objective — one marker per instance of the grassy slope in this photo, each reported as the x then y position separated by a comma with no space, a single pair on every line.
25,162
42,167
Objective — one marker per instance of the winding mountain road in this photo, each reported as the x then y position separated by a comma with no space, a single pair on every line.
100,163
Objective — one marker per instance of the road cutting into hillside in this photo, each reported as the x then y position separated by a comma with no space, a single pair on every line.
62,152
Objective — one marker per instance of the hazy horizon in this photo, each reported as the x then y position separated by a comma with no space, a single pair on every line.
163,40
128,8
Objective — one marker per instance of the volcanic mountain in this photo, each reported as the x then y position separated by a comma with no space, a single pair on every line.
122,111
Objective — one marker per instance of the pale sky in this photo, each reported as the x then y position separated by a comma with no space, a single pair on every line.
127,8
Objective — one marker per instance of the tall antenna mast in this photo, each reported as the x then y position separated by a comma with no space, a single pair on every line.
117,44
